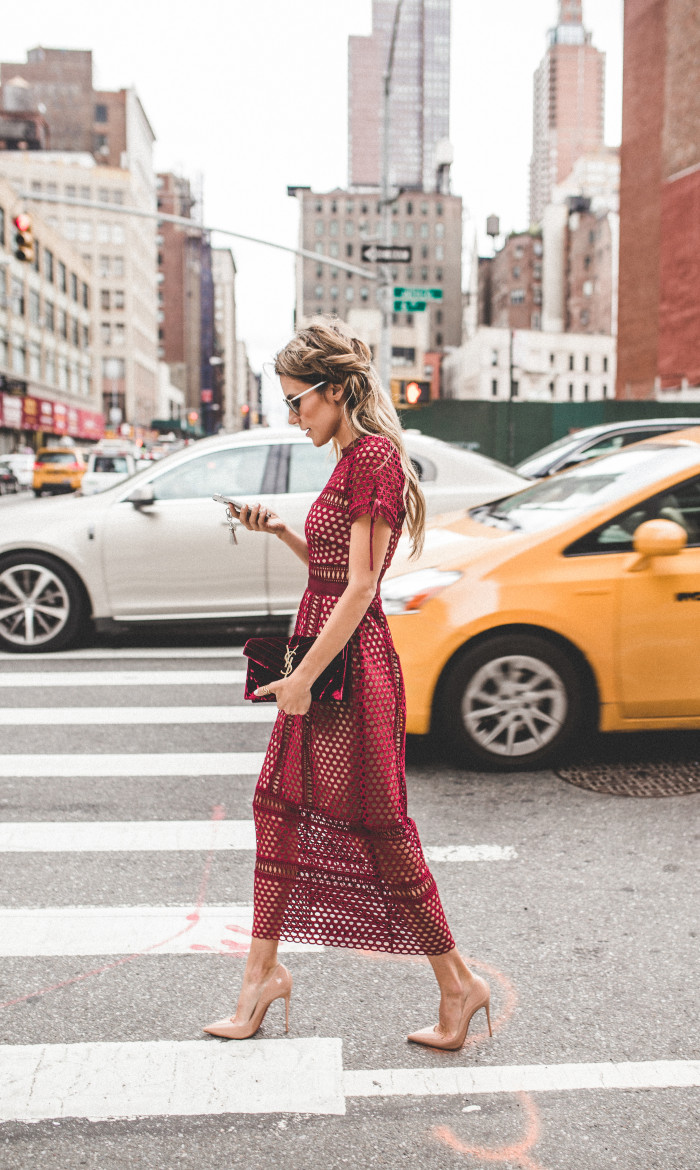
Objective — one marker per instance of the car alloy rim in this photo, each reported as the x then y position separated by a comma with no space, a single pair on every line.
514,705
34,604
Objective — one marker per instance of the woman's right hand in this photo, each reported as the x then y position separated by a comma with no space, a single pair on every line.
257,518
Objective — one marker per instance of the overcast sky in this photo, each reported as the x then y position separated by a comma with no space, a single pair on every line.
252,96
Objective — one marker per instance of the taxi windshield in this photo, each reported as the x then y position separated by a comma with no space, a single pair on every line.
584,489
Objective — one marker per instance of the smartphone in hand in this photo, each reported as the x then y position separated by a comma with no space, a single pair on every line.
234,505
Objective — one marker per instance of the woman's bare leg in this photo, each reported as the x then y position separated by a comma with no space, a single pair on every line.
454,980
262,961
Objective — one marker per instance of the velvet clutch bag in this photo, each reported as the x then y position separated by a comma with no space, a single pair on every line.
270,659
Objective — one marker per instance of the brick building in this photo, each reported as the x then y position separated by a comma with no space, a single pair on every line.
568,105
510,284
659,313
591,269
179,289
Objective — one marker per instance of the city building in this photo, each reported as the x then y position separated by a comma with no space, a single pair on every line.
101,150
510,283
338,223
568,105
79,118
179,289
120,251
420,94
659,313
47,383
225,359
249,385
531,366
594,176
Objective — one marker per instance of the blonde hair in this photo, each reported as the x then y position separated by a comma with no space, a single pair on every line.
328,349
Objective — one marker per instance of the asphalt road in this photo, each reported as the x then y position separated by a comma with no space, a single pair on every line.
118,942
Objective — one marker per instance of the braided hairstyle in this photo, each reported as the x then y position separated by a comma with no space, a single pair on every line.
328,349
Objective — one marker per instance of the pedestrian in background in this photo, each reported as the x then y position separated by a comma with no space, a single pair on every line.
338,860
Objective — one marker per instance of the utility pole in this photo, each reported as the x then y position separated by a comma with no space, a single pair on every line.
385,278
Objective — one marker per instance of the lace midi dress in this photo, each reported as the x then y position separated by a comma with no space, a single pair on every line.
338,860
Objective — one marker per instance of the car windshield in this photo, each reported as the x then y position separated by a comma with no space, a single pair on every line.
583,489
110,464
558,445
56,457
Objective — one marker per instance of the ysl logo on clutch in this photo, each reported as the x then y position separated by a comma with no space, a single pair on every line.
289,660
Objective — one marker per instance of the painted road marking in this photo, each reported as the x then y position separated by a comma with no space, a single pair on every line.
124,836
525,1078
170,1078
470,853
29,932
120,678
108,716
129,652
194,764
167,836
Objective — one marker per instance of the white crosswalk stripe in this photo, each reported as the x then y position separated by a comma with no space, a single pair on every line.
29,931
125,653
164,836
133,764
58,679
113,716
164,1078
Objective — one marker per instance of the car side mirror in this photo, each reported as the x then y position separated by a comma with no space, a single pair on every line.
142,496
658,538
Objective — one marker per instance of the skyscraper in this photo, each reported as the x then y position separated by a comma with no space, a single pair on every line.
568,105
420,94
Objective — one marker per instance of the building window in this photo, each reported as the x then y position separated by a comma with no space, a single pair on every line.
319,273
438,317
537,248
70,229
118,234
438,340
439,252
104,232
551,359
409,208
494,387
48,265
103,267
49,319
73,286
333,227
100,113
424,231
2,226
571,361
333,249
62,324
319,292
85,231
19,357
535,321
551,390
605,363
439,231
494,357
516,272
318,227
364,293
318,207
348,253
349,292
514,389
438,275
517,296
395,230
584,316
104,299
34,307
424,273
537,295
119,333
586,363
408,231
334,292
571,391
605,390
74,334
106,333
99,144
350,207
585,391
86,337
17,297
588,288
118,266
424,208
334,207
50,367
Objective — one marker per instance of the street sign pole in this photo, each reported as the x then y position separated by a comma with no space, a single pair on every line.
384,287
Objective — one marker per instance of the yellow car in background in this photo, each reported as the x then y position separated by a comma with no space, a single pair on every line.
57,469
572,603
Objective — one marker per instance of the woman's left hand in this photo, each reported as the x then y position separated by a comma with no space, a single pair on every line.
293,696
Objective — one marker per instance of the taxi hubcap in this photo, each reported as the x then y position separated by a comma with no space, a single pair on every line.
34,604
514,705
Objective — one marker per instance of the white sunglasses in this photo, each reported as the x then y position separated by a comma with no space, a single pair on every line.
290,403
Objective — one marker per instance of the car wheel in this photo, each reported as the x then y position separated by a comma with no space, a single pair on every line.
41,604
512,702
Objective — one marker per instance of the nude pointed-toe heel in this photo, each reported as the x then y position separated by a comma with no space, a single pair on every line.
278,986
478,996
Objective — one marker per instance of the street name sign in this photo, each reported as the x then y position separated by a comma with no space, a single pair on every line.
387,253
417,294
410,306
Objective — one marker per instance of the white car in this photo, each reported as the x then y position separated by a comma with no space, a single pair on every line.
157,549
105,469
22,466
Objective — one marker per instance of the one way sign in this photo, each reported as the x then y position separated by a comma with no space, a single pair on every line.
386,253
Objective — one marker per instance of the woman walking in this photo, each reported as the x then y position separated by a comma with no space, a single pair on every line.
338,860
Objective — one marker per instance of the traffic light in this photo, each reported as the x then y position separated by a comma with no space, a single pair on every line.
24,239
415,393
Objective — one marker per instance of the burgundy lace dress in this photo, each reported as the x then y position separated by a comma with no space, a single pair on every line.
338,860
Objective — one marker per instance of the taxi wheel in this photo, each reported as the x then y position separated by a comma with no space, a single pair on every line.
512,702
41,604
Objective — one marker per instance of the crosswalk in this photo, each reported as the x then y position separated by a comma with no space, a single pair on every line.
124,695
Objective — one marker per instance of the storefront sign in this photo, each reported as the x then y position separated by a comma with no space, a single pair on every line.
41,414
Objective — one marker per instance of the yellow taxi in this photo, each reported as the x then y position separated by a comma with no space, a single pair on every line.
57,469
572,603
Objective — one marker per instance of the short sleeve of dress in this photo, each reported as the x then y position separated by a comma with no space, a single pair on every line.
376,483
